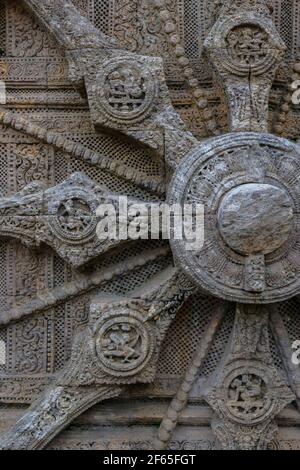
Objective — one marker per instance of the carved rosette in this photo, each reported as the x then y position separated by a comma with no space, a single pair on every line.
250,191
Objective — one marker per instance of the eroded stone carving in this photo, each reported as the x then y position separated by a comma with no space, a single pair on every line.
122,341
125,89
82,40
247,392
65,217
153,182
119,346
49,414
247,185
245,48
250,256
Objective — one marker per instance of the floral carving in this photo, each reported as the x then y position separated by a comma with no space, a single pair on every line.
137,27
31,350
28,39
32,163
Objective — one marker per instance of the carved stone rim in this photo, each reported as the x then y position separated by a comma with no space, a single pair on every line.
177,194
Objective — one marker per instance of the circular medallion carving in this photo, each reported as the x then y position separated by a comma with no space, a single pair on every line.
73,217
123,343
125,90
247,44
250,191
251,44
247,399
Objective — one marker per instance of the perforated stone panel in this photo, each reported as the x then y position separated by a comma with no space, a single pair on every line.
103,15
192,29
4,157
2,28
291,318
3,352
184,335
86,7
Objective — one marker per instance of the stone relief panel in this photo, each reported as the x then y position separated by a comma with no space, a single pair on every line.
32,343
45,301
138,29
2,28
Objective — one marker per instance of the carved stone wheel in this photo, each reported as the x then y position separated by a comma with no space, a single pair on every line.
249,187
185,102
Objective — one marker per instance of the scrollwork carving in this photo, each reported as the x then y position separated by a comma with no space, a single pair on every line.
27,38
